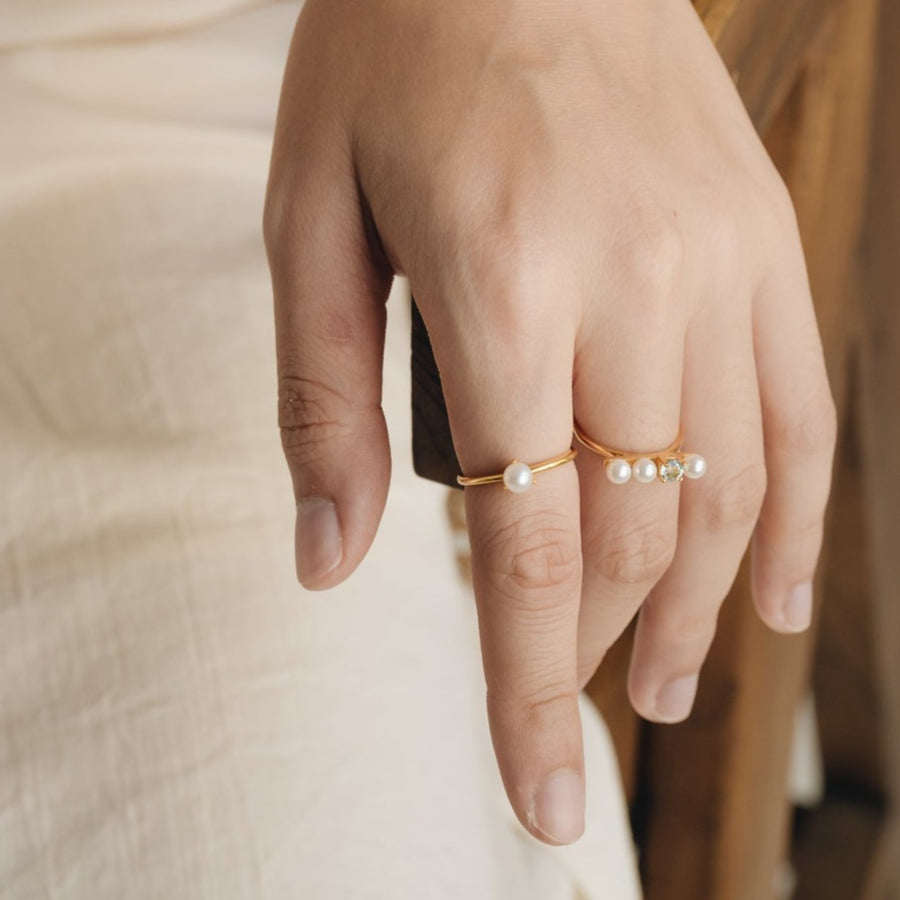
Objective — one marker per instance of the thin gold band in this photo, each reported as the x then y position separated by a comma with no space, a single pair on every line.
631,456
671,464
544,466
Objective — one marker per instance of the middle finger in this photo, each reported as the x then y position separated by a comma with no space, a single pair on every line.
627,396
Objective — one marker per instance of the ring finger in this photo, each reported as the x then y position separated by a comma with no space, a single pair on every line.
717,514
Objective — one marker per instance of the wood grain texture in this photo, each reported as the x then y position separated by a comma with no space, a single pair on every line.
718,828
879,395
764,44
879,422
836,855
845,674
716,14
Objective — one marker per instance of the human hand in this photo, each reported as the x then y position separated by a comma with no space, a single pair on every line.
592,230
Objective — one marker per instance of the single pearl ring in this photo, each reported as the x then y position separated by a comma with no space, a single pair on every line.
518,476
666,465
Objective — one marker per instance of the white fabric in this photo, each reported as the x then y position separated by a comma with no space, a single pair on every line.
177,718
26,22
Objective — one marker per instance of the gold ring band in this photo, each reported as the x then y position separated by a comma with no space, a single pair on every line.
609,453
666,465
517,477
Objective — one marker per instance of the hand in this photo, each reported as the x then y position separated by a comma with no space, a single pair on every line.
591,229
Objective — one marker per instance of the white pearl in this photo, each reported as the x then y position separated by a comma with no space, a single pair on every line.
618,471
644,470
694,465
518,477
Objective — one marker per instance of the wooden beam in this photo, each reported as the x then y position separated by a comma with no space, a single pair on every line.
764,44
716,808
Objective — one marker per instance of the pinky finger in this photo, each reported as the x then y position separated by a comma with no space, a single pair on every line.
800,428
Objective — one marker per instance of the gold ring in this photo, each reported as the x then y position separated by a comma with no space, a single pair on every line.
518,476
666,465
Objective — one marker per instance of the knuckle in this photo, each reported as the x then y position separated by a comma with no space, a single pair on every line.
545,701
503,265
806,540
551,699
797,536
735,501
766,196
308,416
653,260
477,181
546,561
506,272
539,557
510,267
778,199
693,634
692,630
814,431
774,216
639,555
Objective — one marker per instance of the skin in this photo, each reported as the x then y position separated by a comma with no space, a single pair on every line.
591,228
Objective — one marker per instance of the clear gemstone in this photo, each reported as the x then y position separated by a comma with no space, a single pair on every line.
671,469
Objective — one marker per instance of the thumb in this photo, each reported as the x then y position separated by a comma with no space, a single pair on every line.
330,295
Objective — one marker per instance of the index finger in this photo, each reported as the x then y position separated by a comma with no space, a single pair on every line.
526,567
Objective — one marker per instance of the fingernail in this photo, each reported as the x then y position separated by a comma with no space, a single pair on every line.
674,701
558,808
317,539
797,609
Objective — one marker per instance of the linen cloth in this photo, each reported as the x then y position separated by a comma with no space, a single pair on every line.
178,719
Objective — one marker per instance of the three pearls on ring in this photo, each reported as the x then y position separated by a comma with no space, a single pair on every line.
666,469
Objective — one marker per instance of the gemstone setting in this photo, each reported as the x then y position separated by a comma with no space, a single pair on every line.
671,469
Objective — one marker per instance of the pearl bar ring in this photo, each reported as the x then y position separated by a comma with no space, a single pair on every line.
518,477
666,465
